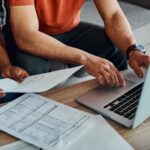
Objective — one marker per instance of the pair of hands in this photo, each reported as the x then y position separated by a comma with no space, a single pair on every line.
104,71
108,75
13,72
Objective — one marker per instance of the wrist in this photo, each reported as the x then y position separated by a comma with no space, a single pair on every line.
134,48
83,58
5,66
77,56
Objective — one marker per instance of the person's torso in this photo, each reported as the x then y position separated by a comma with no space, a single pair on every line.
58,16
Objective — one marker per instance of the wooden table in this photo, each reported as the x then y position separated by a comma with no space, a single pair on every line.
139,138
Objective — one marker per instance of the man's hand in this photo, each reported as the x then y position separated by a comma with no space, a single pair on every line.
14,72
137,60
104,71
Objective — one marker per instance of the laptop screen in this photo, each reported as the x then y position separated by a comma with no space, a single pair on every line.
143,110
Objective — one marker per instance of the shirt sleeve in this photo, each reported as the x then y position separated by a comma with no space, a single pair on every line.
21,2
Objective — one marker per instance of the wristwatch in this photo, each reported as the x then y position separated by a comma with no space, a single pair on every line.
135,47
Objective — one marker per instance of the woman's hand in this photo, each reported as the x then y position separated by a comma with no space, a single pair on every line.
14,72
2,93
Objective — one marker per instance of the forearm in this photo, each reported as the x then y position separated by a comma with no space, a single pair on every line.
116,24
4,59
30,40
119,31
45,46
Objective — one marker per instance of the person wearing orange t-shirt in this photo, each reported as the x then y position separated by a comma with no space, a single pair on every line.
46,30
7,70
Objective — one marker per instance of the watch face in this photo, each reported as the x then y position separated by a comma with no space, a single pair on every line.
140,48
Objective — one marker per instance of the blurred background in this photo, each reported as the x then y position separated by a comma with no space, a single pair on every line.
137,12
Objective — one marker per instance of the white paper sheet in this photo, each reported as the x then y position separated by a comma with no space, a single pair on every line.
38,83
100,137
43,122
19,145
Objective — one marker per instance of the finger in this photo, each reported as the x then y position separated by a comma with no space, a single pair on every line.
101,79
115,79
2,93
106,76
112,70
137,69
16,75
17,78
19,74
24,74
114,75
146,60
118,76
5,75
121,79
109,75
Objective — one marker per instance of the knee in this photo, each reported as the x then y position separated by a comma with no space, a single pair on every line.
32,64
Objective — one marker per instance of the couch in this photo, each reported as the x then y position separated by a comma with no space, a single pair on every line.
143,3
136,12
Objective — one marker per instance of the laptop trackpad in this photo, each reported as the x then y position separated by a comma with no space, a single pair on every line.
120,90
131,76
102,95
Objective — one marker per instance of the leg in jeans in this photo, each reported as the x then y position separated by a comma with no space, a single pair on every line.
93,39
32,64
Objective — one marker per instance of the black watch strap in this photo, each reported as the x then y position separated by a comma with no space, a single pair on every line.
134,47
130,49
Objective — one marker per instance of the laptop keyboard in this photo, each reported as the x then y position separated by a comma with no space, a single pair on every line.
126,105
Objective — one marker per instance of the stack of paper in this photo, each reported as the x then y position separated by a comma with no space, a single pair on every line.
53,126
42,122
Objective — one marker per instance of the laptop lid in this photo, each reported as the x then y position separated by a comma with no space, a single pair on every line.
143,110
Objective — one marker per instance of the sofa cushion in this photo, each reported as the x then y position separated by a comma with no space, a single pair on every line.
143,3
137,16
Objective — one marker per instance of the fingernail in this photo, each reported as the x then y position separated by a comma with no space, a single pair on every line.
123,83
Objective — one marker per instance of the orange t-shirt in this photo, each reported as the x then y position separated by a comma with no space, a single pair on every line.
55,16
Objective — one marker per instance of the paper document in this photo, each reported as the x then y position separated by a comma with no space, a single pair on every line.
38,83
19,145
44,123
100,137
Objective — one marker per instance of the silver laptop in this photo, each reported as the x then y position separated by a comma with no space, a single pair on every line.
129,105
